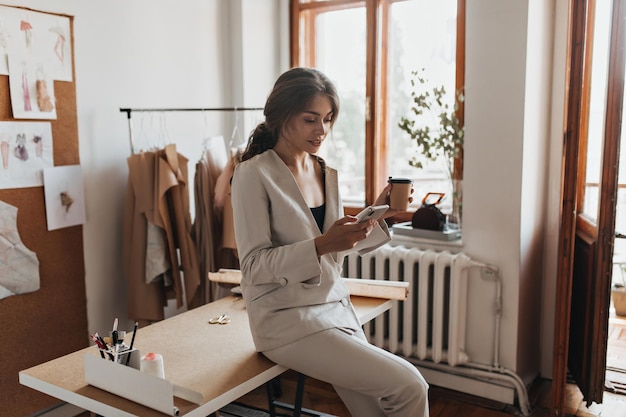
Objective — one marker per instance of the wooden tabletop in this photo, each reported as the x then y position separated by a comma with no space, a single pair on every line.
218,361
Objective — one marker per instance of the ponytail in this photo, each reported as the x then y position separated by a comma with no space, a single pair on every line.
260,140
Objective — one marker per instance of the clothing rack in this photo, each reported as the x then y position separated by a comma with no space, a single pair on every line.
129,112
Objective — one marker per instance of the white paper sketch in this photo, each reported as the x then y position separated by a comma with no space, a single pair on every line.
65,196
42,36
32,91
26,149
19,266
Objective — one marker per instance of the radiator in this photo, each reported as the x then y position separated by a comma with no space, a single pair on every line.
431,323
429,327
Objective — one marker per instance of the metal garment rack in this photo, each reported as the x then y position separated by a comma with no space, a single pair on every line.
129,112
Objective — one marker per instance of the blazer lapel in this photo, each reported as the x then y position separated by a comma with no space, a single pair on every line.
334,208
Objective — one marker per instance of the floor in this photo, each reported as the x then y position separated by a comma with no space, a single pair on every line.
446,403
615,396
616,353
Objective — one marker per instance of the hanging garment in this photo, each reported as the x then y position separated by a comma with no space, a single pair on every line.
222,200
139,200
228,248
207,232
19,266
172,181
157,235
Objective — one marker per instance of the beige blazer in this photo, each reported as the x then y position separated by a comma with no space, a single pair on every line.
289,292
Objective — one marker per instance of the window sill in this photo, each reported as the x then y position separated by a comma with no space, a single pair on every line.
422,242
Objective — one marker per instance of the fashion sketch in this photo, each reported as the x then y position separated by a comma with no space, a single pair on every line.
32,89
64,193
42,37
26,149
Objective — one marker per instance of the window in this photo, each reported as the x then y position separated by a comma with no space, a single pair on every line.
369,49
594,122
595,130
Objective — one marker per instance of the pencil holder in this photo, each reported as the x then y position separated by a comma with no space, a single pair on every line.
124,356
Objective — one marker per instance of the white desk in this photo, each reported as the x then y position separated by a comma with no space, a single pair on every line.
219,361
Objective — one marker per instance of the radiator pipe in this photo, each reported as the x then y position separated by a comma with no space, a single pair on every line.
491,273
517,382
483,371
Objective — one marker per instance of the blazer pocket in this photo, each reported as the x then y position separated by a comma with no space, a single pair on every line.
273,288
312,282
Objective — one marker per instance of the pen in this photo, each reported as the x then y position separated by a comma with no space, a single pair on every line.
103,343
132,341
116,347
97,342
115,325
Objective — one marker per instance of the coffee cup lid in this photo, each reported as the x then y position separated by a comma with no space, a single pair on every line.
399,180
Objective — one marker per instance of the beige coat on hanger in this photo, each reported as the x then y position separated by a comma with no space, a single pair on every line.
158,194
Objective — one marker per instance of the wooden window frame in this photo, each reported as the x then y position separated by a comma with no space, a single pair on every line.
376,150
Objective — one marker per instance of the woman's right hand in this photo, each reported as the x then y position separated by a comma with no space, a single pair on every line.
344,234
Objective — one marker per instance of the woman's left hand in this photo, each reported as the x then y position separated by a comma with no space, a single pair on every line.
383,198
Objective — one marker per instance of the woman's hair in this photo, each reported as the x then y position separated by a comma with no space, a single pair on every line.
292,93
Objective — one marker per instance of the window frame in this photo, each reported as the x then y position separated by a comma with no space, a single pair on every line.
377,11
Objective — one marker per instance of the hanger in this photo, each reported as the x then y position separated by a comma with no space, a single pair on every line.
164,136
235,137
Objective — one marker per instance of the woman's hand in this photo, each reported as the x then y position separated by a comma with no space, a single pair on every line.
383,198
344,234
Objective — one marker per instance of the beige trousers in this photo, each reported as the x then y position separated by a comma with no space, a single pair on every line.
370,381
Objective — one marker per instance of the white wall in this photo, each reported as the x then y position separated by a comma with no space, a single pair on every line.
493,167
166,53
509,168
537,113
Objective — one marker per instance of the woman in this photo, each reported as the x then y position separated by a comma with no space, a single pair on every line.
291,232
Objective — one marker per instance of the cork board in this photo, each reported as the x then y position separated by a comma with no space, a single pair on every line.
51,322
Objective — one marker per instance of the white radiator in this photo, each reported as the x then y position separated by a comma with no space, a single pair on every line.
428,328
431,323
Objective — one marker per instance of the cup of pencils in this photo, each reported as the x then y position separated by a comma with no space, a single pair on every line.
114,347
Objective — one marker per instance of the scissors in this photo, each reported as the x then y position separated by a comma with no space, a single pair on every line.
223,319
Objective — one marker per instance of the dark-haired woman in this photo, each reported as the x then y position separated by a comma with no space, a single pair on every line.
291,235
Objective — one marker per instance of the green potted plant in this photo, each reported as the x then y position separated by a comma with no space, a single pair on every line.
434,124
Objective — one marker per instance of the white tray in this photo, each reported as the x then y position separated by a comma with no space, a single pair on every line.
406,229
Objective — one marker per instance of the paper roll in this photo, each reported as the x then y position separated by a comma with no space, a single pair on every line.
152,363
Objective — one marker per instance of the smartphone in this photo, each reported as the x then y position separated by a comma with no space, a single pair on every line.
371,213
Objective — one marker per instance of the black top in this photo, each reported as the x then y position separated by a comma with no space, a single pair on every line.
318,213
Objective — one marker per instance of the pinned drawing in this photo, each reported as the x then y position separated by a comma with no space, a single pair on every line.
28,82
19,266
26,149
64,193
42,36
